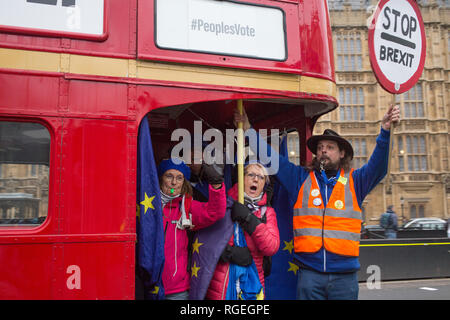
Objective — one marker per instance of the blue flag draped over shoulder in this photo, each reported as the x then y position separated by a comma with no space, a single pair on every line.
282,282
207,248
149,226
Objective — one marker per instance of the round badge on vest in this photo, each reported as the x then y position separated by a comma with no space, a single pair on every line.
317,202
315,192
339,204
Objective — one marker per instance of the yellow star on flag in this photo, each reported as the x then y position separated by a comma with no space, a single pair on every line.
260,295
156,290
293,267
195,269
196,245
147,203
288,246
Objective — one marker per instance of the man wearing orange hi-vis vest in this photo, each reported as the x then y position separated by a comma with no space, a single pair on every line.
326,197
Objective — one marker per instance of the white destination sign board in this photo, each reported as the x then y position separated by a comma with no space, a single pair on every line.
397,44
83,17
221,27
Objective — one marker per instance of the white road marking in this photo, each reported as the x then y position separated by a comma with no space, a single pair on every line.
428,288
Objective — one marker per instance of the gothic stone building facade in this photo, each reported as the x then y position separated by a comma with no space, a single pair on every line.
419,181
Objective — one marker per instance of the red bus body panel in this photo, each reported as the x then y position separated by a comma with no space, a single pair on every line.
93,123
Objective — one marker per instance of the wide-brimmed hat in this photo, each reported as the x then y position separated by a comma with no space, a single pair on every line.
329,134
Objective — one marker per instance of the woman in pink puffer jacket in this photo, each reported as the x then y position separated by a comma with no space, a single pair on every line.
262,237
176,196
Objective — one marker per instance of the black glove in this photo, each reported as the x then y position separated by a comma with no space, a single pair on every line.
246,219
239,212
237,255
213,173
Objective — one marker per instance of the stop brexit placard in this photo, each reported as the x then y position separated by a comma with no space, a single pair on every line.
397,44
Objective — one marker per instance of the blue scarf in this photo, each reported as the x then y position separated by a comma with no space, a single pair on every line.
243,282
331,181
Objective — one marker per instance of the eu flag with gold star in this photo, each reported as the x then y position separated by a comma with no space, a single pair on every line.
206,249
149,225
281,284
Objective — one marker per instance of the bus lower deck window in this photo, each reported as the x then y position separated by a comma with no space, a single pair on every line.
24,173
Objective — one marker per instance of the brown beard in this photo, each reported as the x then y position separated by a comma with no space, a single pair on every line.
320,163
344,163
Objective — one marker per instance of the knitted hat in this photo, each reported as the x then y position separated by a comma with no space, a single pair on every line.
170,164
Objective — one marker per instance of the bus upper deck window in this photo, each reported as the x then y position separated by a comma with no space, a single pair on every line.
24,173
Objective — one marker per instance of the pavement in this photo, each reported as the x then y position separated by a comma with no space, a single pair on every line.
424,289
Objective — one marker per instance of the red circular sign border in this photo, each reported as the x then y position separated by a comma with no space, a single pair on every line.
385,82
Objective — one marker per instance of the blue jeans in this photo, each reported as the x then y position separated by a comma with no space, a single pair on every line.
314,285
390,234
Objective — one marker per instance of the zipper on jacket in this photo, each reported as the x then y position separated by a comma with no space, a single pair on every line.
176,264
167,223
323,229
224,282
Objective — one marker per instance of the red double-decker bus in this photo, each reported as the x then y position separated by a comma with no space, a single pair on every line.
77,78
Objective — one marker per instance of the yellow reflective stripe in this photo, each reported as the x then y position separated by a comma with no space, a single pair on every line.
327,234
344,235
348,213
308,212
404,244
308,232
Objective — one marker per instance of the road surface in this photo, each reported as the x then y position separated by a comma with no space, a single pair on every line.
429,289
